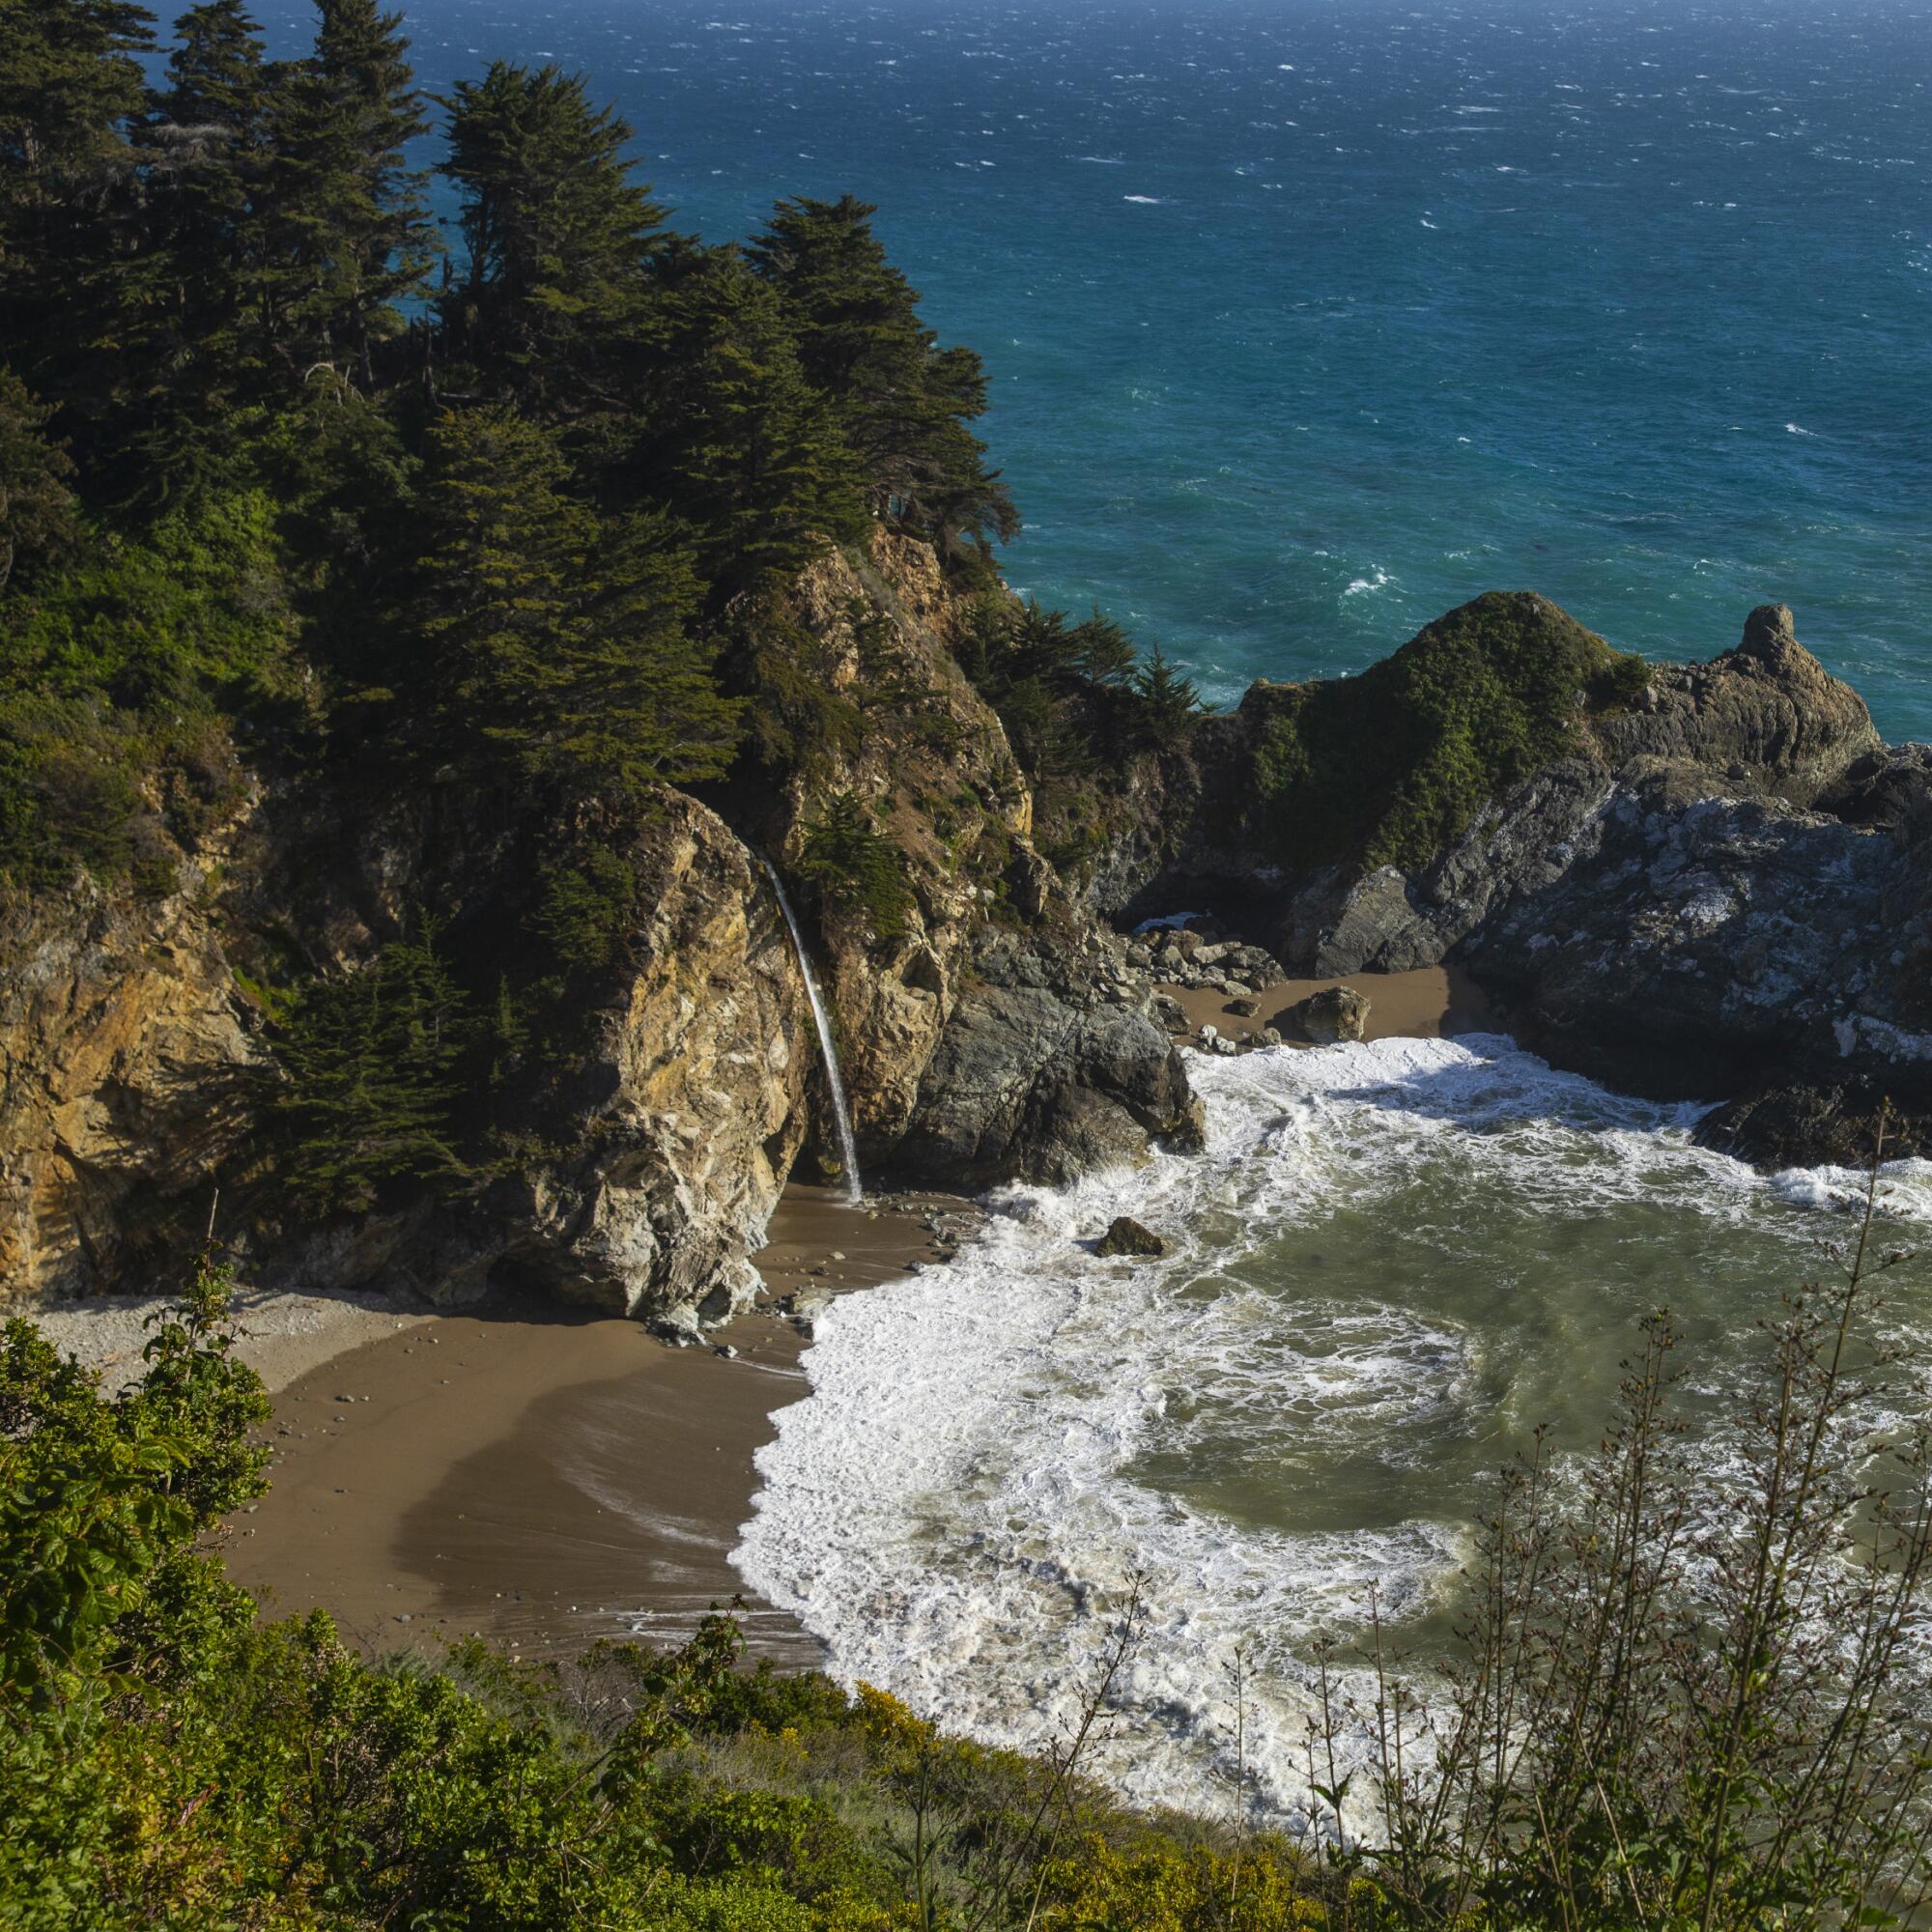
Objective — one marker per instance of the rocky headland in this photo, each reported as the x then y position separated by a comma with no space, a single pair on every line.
1706,880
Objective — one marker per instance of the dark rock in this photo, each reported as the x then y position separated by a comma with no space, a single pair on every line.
1246,1007
1125,1235
1027,1083
1338,1013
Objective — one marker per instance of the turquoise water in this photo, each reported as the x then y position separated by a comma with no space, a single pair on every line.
1307,321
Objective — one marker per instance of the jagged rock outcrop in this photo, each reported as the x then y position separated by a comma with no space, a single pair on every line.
692,1099
1038,1076
928,762
1721,890
122,1047
643,1155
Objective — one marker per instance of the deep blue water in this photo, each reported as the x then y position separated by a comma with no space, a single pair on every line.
1308,320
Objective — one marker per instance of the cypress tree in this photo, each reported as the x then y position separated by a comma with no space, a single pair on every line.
71,87
347,235
561,644
902,402
1168,700
558,237
371,1085
36,506
740,441
204,353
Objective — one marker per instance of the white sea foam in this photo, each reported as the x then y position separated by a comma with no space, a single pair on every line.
993,1448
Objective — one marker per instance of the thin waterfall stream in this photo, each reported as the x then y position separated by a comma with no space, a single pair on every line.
841,1114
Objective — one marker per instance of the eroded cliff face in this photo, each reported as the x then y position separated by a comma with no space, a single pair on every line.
125,1051
1721,891
138,1049
978,1042
694,1098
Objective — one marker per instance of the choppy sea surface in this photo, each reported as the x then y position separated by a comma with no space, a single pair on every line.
1307,321
1394,1262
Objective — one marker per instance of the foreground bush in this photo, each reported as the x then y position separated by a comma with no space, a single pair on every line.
1689,1696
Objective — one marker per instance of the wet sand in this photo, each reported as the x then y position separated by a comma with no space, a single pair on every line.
1431,1003
542,1478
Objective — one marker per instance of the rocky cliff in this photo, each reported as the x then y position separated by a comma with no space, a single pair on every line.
1716,883
631,1159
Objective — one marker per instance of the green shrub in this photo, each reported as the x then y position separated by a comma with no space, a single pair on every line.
1391,766
854,869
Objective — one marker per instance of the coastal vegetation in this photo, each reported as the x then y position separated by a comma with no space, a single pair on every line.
1680,1699
503,541
1391,766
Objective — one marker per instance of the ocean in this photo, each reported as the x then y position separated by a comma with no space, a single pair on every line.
1304,323
1308,320
1395,1261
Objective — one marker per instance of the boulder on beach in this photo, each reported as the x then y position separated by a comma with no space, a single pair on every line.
1338,1013
1125,1235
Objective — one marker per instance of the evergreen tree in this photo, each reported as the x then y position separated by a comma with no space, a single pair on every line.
36,506
900,401
557,235
207,161
740,442
371,1090
1168,702
346,234
70,86
562,642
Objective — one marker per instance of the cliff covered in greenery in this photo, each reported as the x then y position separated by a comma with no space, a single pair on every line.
406,657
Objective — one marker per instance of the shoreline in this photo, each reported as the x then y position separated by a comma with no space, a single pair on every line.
544,1477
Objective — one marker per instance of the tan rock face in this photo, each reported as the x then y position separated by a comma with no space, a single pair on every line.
700,1078
122,1047
935,768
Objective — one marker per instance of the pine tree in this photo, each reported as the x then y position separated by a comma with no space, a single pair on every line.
740,442
902,402
35,506
70,86
371,1089
1168,702
347,235
203,351
557,235
564,645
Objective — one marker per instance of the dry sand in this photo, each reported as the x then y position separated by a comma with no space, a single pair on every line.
1431,1003
543,1478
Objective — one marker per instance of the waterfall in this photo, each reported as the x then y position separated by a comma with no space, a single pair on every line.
848,1151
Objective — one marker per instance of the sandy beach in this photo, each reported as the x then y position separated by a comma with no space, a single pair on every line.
543,1476
1430,1002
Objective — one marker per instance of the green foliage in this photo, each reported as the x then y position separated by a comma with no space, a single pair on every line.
117,676
558,238
1391,766
99,1499
739,441
1071,695
369,1092
37,520
902,402
589,902
344,236
567,641
1168,703
854,870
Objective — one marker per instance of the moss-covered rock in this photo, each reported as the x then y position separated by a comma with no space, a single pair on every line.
1388,768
